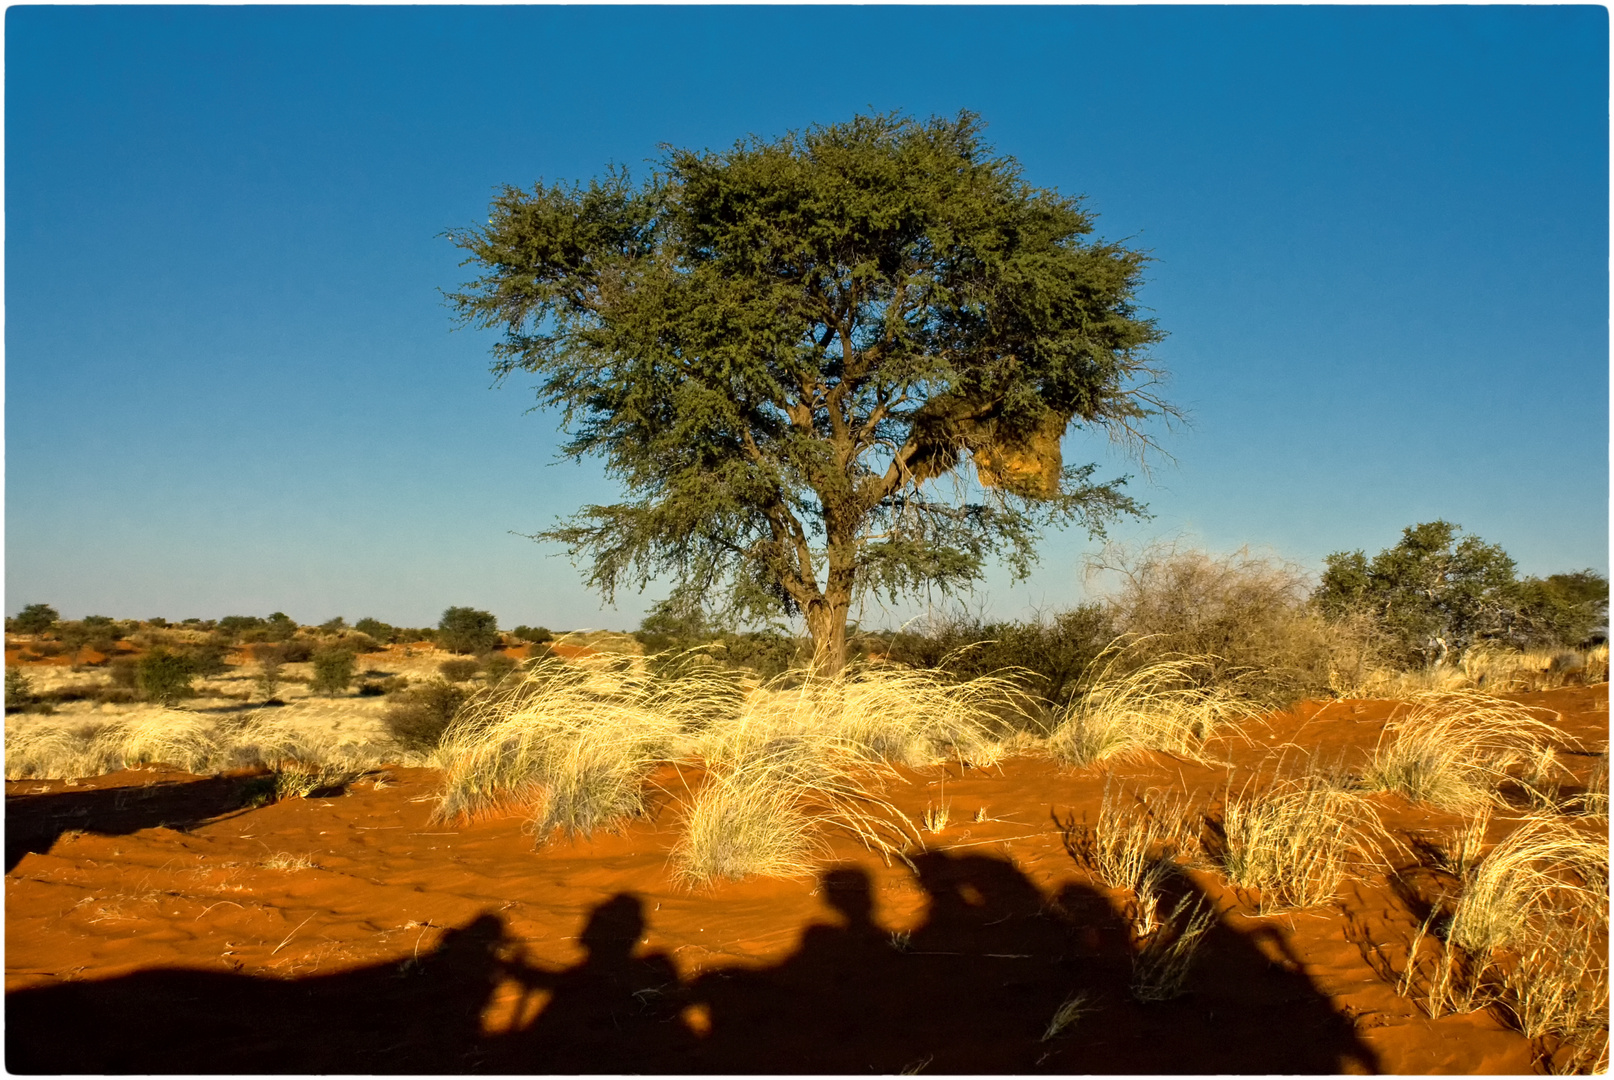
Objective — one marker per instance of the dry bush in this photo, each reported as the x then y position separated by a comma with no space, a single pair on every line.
1294,841
1163,705
168,737
1247,617
1453,750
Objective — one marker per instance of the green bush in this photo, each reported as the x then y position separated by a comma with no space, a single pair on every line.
125,671
209,657
281,626
36,619
164,677
458,670
421,714
1054,651
19,689
466,630
375,629
333,671
538,635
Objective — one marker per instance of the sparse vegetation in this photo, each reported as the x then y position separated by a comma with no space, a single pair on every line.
333,670
467,630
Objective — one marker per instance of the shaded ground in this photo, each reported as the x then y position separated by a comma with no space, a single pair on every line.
155,925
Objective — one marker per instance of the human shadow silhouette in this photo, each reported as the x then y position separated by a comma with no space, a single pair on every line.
970,989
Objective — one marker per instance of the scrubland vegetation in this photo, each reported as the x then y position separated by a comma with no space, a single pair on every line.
761,762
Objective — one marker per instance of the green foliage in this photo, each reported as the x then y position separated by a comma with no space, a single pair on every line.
538,635
36,619
269,674
1438,591
163,676
298,650
459,670
421,714
1564,609
281,626
236,625
19,689
209,657
375,628
1055,650
334,626
779,349
467,630
333,670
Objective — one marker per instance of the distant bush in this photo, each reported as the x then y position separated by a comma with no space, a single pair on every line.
421,714
281,626
209,657
158,623
269,671
164,677
458,670
466,630
1250,614
298,650
361,643
125,672
237,625
19,690
497,667
538,635
333,626
371,688
333,671
407,635
36,619
376,629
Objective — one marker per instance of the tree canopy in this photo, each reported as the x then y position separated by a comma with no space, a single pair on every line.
1438,591
788,352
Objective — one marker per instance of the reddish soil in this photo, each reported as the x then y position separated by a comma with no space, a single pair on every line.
145,933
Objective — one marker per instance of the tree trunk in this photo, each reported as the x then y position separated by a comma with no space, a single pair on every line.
826,623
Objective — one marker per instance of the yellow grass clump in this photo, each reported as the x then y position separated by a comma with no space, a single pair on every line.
1134,846
1293,842
1453,749
1160,705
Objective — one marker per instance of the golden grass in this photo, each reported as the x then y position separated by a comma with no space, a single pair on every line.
1160,705
1133,846
1454,749
1294,841
1160,968
1545,870
1069,1012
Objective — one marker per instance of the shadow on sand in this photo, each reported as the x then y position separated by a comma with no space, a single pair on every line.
969,991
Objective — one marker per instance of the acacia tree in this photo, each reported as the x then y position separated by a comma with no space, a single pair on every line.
788,352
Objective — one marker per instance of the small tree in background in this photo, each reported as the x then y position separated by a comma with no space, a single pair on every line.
163,676
36,619
376,629
333,671
467,630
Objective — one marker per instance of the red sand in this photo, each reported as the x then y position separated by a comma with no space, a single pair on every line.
144,933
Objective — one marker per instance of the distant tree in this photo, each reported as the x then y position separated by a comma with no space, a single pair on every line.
374,628
538,635
467,630
785,352
164,677
281,626
1434,594
333,671
36,619
1564,609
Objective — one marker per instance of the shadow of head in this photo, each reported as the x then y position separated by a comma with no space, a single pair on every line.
614,928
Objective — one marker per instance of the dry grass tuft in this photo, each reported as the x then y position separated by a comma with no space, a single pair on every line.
1543,872
1453,749
1160,705
1293,842
1069,1012
1134,846
1161,966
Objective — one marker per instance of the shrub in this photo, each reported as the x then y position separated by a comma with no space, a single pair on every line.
333,626
298,650
466,630
1248,617
374,628
420,714
1052,651
208,657
538,635
19,689
458,670
269,673
1292,842
333,671
281,626
497,667
36,619
164,677
125,672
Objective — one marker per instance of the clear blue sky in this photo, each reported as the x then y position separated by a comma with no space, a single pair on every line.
232,387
